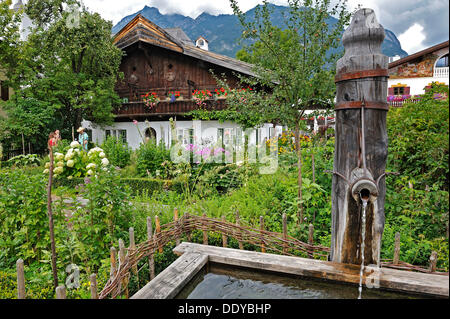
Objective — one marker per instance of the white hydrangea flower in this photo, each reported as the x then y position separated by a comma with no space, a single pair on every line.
91,166
90,172
47,165
59,156
58,170
74,144
70,178
102,155
46,171
105,162
70,163
60,164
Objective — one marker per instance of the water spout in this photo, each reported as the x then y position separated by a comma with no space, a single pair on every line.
365,195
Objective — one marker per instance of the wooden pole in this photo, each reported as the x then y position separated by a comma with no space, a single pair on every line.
284,233
93,280
123,282
113,257
311,239
188,232
50,219
433,261
158,231
23,144
261,225
224,237
175,219
151,259
132,248
238,224
60,292
205,233
21,294
397,248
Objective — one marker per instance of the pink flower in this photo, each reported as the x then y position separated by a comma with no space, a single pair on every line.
135,122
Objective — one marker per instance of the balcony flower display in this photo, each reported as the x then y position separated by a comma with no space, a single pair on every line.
150,99
221,93
173,95
200,96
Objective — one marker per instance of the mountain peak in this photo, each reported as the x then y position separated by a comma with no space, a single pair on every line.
224,30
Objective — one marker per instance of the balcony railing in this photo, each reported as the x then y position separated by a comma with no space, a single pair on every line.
441,72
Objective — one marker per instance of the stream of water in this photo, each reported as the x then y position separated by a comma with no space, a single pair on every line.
363,239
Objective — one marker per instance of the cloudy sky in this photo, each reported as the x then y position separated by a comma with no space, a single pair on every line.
417,23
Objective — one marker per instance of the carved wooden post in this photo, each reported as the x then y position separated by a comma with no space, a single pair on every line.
93,280
361,145
433,261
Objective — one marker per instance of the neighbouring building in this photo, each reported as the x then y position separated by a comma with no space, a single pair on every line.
411,75
166,61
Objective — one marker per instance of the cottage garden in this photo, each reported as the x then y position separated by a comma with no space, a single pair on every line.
98,195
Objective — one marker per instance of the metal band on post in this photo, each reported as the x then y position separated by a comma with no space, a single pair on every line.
361,74
358,105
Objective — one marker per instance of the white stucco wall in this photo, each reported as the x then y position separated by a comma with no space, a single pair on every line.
417,85
208,131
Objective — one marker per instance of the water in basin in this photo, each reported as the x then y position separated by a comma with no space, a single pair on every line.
225,282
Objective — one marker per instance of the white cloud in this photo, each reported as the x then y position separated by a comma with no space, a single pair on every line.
413,38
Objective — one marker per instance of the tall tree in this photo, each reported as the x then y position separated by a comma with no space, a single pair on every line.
69,62
298,63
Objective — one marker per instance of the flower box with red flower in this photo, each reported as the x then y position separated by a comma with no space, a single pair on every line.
200,96
174,95
221,93
150,99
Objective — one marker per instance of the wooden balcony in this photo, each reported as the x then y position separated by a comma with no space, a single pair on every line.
441,72
135,109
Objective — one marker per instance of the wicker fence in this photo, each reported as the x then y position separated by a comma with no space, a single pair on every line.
124,262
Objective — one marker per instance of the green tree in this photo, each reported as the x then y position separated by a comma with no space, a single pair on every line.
297,65
69,63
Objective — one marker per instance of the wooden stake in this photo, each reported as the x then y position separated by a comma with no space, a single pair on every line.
50,219
93,280
224,237
60,292
175,218
188,232
397,249
433,261
158,231
151,259
21,294
261,223
311,239
205,233
113,257
238,223
123,282
132,248
284,233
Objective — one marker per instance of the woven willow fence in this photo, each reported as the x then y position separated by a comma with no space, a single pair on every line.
280,243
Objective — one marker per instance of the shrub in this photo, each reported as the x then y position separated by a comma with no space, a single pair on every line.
117,152
150,157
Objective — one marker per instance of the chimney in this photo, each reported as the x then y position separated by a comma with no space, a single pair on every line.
202,43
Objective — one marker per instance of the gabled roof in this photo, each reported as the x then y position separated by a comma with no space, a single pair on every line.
419,54
142,29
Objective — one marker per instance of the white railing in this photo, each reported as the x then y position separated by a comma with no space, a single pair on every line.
441,72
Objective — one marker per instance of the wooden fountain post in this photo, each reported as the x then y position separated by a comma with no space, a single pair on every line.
361,145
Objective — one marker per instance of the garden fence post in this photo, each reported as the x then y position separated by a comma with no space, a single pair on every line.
311,239
177,226
21,294
284,233
224,236
93,280
397,249
261,225
151,259
433,261
61,292
124,281
158,230
205,233
132,249
239,234
188,232
113,257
